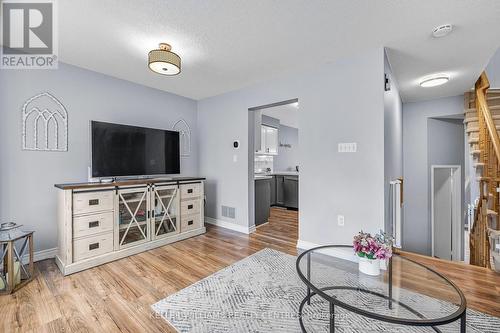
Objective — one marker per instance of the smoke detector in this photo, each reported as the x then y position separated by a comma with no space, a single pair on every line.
442,30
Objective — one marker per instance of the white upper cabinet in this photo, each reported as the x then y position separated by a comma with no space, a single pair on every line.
268,140
271,140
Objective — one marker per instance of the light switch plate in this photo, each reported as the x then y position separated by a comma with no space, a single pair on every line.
347,147
235,158
340,220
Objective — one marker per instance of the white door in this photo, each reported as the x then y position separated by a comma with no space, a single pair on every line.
446,212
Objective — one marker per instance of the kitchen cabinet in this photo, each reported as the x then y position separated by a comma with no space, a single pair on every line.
268,140
280,195
271,140
262,200
273,191
291,191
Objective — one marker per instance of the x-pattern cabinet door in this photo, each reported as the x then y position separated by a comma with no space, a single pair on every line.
132,217
165,211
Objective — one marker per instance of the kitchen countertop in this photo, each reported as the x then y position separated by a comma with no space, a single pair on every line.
260,177
275,173
284,173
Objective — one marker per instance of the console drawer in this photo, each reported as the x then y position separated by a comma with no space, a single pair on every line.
190,222
190,190
92,224
92,246
190,207
90,202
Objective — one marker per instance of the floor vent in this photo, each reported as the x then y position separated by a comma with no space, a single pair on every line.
229,212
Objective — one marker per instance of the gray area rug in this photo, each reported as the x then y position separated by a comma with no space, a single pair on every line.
262,293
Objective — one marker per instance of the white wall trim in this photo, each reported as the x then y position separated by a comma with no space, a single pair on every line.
341,253
41,255
229,225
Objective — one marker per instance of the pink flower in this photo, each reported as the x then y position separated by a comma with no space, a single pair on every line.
377,247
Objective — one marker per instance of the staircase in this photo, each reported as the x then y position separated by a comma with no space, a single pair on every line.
482,119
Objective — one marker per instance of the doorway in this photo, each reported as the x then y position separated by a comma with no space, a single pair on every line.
273,173
446,220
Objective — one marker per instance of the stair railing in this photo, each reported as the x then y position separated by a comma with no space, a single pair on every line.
489,157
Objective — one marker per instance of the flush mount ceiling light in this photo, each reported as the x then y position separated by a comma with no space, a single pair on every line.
434,80
442,30
164,61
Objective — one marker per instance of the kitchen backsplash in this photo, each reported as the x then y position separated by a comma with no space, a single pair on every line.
263,163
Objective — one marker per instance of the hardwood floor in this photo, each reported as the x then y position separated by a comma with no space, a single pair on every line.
116,297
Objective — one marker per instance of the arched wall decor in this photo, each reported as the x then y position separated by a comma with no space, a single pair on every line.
45,124
184,130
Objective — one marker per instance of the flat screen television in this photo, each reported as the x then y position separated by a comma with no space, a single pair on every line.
122,150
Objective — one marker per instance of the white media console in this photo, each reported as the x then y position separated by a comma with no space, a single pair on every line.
102,222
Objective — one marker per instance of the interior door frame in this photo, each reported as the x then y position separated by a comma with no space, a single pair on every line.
250,154
458,188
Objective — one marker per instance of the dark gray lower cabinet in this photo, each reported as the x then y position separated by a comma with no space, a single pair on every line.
291,191
262,200
273,191
280,194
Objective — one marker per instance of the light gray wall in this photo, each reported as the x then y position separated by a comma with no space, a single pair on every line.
493,70
416,226
339,102
27,178
287,158
393,139
445,139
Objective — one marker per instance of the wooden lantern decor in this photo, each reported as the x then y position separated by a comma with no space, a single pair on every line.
14,244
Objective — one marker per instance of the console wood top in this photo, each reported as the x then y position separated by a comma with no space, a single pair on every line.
126,182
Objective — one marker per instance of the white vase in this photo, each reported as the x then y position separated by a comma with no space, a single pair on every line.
383,264
369,266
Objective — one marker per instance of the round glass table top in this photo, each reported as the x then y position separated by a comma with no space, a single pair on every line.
407,292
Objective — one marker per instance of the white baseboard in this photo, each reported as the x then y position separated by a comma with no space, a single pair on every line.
41,255
229,225
341,253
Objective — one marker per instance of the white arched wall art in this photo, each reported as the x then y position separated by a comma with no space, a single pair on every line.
45,124
184,130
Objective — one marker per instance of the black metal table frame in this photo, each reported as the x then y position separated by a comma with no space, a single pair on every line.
459,314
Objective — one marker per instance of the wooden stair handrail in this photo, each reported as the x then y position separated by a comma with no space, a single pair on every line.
482,86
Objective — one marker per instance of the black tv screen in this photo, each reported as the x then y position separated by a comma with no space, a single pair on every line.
122,150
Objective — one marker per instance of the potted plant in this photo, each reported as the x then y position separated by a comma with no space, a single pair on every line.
370,250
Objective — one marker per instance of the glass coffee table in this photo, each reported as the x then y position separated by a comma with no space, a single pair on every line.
405,293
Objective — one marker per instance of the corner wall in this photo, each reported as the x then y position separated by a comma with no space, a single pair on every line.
416,159
288,157
339,102
27,178
393,139
493,71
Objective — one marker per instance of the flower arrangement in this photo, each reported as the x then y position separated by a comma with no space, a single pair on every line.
373,247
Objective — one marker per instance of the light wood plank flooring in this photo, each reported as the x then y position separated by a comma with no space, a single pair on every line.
116,297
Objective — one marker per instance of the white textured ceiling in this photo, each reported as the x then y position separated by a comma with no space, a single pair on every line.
288,114
229,44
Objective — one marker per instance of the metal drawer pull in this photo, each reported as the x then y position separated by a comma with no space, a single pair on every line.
190,190
93,202
93,246
190,222
190,206
93,224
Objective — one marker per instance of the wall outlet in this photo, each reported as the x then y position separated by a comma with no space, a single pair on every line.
340,220
344,147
